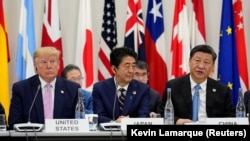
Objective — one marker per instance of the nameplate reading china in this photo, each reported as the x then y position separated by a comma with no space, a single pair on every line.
227,121
66,125
140,121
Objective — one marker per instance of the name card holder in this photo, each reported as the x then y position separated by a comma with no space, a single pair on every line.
227,121
140,121
66,125
221,121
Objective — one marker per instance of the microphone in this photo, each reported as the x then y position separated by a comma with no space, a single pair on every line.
30,126
112,126
116,93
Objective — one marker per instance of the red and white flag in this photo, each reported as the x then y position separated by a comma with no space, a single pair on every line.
156,46
240,44
197,23
134,29
108,40
180,47
51,32
84,44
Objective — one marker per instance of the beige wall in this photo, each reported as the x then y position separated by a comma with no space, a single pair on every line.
68,10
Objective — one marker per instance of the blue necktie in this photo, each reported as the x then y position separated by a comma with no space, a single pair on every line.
196,103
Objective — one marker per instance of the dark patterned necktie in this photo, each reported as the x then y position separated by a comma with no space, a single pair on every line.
121,98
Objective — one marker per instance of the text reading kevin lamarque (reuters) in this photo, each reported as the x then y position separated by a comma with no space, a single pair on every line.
189,132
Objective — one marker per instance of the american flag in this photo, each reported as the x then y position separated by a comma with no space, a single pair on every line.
108,40
134,30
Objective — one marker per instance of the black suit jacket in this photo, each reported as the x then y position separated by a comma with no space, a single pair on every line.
23,93
246,100
218,98
2,109
155,100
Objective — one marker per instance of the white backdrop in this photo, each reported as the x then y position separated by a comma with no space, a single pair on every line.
68,10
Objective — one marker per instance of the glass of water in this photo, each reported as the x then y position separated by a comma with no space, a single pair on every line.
93,121
2,122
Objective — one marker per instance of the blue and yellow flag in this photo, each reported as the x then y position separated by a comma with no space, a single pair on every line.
228,71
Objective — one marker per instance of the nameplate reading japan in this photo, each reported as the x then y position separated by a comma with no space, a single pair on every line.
66,125
140,121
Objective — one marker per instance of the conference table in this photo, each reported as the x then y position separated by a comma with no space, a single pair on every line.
57,136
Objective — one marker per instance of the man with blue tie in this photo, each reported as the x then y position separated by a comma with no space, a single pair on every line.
53,96
121,96
196,96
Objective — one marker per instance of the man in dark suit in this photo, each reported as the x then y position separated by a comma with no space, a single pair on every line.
2,109
141,74
63,93
246,100
106,95
215,99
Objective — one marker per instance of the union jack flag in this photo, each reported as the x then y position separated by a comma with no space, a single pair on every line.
134,30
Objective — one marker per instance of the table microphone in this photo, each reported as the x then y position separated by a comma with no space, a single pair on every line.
30,126
115,98
110,126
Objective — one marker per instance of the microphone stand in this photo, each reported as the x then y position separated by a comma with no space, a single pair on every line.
30,127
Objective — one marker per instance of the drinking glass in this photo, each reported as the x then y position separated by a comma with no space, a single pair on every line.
2,122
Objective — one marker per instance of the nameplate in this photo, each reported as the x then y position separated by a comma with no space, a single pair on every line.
66,125
227,121
140,121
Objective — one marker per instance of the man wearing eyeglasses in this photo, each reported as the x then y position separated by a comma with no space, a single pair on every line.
73,73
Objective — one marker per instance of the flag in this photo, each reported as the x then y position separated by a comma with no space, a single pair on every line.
155,46
197,23
240,44
108,40
26,44
180,47
4,73
134,30
51,31
84,44
231,48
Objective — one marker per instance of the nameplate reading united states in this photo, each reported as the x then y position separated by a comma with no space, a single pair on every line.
66,125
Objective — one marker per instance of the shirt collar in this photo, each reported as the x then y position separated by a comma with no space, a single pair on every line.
203,85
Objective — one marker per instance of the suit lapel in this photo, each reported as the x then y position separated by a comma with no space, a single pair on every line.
131,91
112,94
59,98
38,104
186,90
211,90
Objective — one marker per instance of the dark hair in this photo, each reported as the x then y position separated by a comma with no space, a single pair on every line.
118,53
68,68
204,48
141,65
